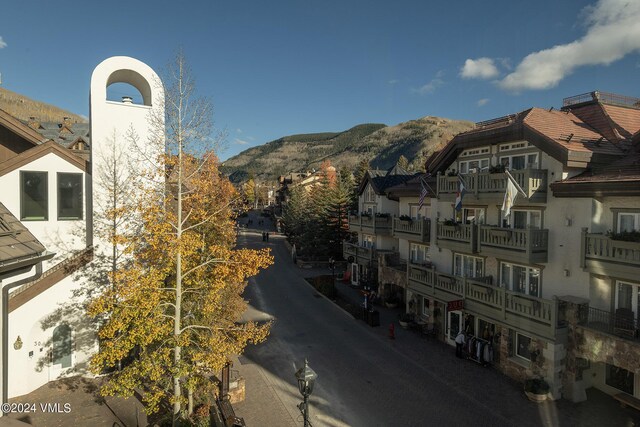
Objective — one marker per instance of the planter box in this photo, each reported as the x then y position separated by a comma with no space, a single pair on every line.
538,398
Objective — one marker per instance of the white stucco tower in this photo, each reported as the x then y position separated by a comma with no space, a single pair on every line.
113,122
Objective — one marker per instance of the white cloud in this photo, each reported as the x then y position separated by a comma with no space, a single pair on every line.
613,32
392,81
239,130
2,43
240,141
250,138
430,87
482,102
481,68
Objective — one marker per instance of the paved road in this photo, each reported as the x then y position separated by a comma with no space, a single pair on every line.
365,379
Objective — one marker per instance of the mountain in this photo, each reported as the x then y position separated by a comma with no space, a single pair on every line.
381,145
23,108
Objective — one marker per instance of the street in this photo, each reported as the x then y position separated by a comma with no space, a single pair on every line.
366,379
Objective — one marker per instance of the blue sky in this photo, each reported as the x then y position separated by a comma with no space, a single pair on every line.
284,67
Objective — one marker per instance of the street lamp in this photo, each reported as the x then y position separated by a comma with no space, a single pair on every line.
306,379
332,265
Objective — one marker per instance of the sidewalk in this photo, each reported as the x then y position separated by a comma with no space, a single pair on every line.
485,383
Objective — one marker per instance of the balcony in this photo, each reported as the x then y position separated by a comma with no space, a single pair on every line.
379,225
622,323
519,245
605,256
459,237
418,230
535,315
360,254
492,186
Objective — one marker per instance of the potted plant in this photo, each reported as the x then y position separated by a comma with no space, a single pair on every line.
452,172
450,224
392,301
405,218
497,169
536,389
406,319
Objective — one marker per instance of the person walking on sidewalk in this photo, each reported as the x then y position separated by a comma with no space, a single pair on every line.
460,339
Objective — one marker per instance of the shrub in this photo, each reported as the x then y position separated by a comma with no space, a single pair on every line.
536,386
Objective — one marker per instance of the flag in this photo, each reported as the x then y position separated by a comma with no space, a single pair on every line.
512,191
423,193
509,197
460,194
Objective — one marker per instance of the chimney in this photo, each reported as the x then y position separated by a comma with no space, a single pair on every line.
127,100
33,123
67,122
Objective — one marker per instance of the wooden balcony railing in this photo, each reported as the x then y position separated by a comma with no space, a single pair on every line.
526,245
529,313
373,224
361,253
416,229
603,255
532,181
457,237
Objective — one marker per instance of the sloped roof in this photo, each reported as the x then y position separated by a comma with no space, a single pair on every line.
380,180
16,242
561,134
41,150
568,131
413,187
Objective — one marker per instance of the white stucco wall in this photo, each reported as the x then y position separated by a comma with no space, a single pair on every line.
59,236
113,122
34,323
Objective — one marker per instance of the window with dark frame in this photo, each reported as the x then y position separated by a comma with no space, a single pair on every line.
34,200
69,196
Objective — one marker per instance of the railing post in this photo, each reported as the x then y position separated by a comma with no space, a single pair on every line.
503,307
438,184
527,235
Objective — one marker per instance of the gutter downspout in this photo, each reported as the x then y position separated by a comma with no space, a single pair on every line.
5,318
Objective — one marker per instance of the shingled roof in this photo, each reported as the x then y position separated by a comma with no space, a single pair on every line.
382,180
618,178
16,242
590,132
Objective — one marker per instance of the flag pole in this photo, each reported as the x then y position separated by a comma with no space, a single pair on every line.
515,183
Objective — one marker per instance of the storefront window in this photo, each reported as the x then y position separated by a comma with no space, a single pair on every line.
619,378
522,346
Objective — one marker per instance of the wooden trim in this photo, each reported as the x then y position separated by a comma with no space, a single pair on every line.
50,278
596,189
42,150
20,129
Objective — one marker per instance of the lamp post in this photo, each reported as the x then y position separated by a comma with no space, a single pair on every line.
306,379
332,265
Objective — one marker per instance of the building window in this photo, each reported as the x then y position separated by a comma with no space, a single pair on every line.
62,346
520,278
628,222
627,299
69,196
523,219
425,306
486,330
368,241
467,266
473,166
424,212
520,161
523,344
419,253
34,200
470,216
369,194
619,378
